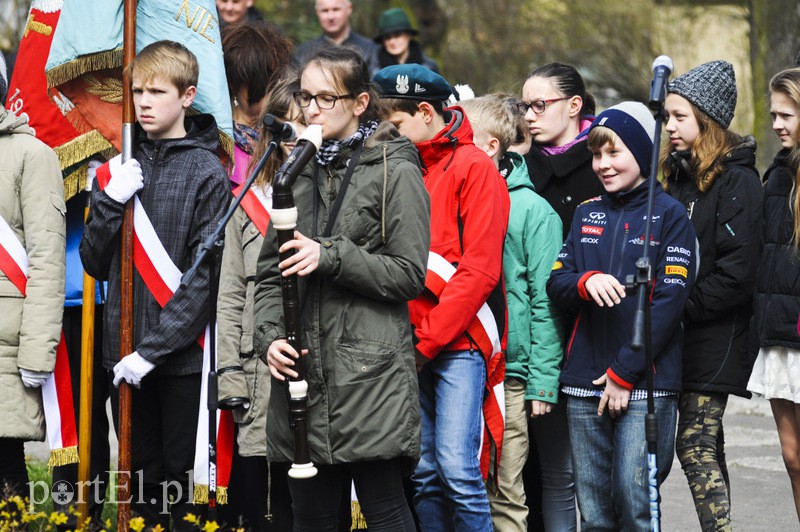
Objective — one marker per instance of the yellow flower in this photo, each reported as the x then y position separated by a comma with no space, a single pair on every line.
191,518
159,528
58,518
137,524
210,526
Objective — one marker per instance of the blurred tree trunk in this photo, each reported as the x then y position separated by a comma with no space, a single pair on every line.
774,46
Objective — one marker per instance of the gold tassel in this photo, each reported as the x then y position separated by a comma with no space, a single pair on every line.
359,522
226,142
81,148
201,494
63,456
82,64
75,181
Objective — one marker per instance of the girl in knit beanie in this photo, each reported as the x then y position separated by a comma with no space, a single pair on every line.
711,171
776,374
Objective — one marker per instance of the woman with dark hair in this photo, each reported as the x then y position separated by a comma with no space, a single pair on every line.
256,55
398,46
361,245
558,108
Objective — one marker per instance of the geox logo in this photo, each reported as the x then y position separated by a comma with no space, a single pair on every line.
402,84
418,88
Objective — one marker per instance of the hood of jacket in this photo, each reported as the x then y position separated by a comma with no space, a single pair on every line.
11,124
457,129
396,146
515,172
743,154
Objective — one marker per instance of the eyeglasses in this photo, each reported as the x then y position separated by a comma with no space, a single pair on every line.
323,101
538,106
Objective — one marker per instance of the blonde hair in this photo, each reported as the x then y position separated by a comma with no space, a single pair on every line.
168,60
489,114
599,136
713,142
787,82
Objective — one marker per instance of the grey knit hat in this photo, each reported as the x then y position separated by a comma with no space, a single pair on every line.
711,87
3,80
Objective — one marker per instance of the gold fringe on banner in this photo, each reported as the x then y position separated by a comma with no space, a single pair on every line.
81,148
226,142
201,494
64,456
75,181
359,522
83,64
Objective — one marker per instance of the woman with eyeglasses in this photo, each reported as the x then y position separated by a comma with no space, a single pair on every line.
361,246
558,108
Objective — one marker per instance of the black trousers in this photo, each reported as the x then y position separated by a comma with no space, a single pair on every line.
316,502
163,426
13,473
100,450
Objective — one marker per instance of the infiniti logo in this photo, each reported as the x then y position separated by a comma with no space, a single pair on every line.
597,215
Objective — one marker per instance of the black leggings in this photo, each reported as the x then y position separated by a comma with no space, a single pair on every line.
379,485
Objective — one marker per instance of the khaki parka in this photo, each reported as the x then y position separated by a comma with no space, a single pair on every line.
32,203
363,394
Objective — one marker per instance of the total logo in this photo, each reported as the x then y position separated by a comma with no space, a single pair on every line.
592,230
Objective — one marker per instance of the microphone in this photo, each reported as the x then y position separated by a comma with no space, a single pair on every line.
662,68
306,147
282,131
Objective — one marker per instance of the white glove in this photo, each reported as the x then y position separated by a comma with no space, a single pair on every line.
91,172
132,369
125,180
34,379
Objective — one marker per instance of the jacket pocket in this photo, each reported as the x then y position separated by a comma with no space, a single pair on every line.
361,361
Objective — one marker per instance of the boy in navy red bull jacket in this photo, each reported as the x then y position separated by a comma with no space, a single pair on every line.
603,378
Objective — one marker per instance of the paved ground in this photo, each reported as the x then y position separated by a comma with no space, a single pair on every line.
761,494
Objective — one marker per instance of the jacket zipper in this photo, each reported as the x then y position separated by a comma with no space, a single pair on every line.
622,250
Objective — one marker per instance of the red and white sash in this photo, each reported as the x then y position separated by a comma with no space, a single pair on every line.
162,279
59,409
256,204
483,330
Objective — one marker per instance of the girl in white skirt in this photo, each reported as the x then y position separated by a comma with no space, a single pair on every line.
776,374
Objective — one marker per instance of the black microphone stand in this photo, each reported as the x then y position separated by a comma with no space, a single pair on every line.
211,251
642,281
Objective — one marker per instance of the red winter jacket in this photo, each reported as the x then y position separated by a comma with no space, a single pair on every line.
469,216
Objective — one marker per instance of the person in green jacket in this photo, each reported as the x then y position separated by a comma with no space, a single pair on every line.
535,330
357,268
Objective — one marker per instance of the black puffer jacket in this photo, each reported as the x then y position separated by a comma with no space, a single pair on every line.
728,221
777,298
565,180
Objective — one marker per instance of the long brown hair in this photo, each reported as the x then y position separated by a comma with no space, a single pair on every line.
787,82
280,103
713,142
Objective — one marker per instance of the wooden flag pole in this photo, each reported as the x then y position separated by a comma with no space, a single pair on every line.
87,386
126,288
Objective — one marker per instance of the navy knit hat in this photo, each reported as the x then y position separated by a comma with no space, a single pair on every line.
412,82
711,87
3,79
635,126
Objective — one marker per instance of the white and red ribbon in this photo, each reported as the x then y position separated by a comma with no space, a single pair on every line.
256,204
162,279
59,409
483,330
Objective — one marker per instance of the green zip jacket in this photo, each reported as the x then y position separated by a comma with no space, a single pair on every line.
535,328
363,397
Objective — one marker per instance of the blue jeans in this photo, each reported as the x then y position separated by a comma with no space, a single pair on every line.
609,458
449,489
